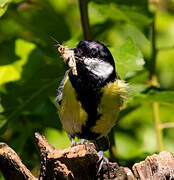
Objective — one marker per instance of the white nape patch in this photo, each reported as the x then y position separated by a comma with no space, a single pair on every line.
98,67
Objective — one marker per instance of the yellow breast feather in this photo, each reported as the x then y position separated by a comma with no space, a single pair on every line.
72,114
113,95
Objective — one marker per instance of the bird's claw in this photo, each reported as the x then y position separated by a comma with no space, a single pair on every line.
101,160
82,141
74,143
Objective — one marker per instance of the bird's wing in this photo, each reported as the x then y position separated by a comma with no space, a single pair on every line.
60,89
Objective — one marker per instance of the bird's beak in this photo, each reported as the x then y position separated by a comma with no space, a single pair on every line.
77,54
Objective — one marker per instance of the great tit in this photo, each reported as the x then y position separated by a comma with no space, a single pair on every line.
90,94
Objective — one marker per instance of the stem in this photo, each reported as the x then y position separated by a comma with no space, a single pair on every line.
83,4
112,150
154,51
158,130
154,82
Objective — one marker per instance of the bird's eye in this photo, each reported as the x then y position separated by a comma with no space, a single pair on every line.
94,52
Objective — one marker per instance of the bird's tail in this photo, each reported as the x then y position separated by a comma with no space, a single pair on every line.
102,144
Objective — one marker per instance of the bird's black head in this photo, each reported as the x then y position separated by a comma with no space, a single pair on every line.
94,49
95,57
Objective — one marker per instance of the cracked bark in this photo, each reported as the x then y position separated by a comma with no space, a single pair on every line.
81,163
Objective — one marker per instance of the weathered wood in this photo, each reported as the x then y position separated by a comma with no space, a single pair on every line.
11,165
76,163
156,167
81,163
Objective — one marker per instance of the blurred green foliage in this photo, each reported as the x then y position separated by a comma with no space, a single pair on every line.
31,70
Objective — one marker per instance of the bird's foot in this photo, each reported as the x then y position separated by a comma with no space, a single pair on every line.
102,159
82,141
74,143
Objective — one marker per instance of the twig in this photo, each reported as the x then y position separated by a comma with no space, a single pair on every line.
154,82
158,130
152,67
85,19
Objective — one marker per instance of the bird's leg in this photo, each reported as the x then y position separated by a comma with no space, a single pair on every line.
73,143
83,141
102,145
102,159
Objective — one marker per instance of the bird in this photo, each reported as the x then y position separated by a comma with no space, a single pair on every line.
90,94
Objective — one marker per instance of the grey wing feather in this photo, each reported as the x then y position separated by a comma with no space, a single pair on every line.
60,89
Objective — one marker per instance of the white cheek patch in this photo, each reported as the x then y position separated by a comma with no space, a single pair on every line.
100,68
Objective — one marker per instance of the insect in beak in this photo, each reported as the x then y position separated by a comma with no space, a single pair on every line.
68,56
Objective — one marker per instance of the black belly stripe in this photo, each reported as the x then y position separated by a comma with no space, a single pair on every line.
89,98
88,89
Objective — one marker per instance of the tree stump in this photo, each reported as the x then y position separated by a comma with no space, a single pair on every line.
81,163
76,163
155,167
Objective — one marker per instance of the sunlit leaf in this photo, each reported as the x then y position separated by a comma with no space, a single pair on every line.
12,72
8,73
3,6
3,9
128,58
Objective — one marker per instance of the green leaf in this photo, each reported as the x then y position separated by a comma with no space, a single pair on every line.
157,96
4,6
2,89
133,12
29,96
129,59
3,124
3,9
8,73
12,72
